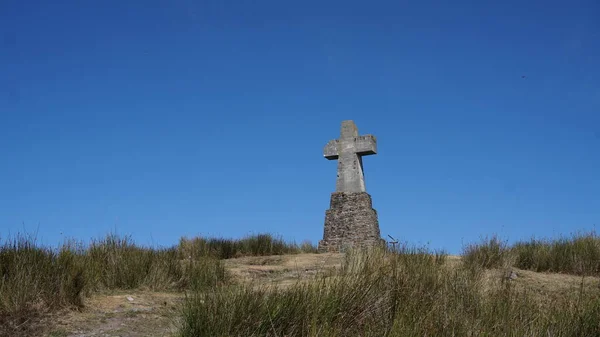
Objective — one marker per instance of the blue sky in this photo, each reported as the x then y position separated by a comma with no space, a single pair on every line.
162,119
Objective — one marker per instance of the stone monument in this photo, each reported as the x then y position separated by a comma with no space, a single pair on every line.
350,220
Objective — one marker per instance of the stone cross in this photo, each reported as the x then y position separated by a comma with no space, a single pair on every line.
350,220
348,150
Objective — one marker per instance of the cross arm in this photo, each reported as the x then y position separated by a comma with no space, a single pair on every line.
331,150
365,145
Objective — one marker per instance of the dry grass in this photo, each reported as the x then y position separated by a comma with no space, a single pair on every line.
577,255
252,245
104,312
432,295
407,294
282,269
36,280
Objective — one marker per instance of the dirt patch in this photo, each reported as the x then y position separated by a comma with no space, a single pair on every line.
135,314
282,270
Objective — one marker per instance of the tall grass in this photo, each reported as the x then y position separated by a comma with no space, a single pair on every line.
378,293
118,263
489,253
36,276
578,254
252,245
35,279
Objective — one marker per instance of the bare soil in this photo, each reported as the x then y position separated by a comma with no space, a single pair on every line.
135,314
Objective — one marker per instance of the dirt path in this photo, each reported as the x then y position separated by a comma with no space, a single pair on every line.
155,314
134,314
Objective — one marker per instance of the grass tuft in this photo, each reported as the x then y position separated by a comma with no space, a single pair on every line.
408,292
578,255
35,279
252,245
405,291
489,253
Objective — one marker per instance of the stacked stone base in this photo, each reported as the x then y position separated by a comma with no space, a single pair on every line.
350,222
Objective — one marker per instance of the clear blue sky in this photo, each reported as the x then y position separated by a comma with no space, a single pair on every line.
162,119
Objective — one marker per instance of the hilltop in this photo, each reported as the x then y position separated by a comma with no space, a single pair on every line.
263,286
158,313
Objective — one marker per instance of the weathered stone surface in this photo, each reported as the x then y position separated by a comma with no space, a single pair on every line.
348,151
351,220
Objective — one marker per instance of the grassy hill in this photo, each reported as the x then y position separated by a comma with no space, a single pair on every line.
263,286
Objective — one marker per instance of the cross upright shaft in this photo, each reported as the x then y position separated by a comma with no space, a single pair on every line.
348,150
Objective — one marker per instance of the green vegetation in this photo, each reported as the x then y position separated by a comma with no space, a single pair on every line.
410,292
577,255
118,263
401,292
32,276
254,245
36,279
491,253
